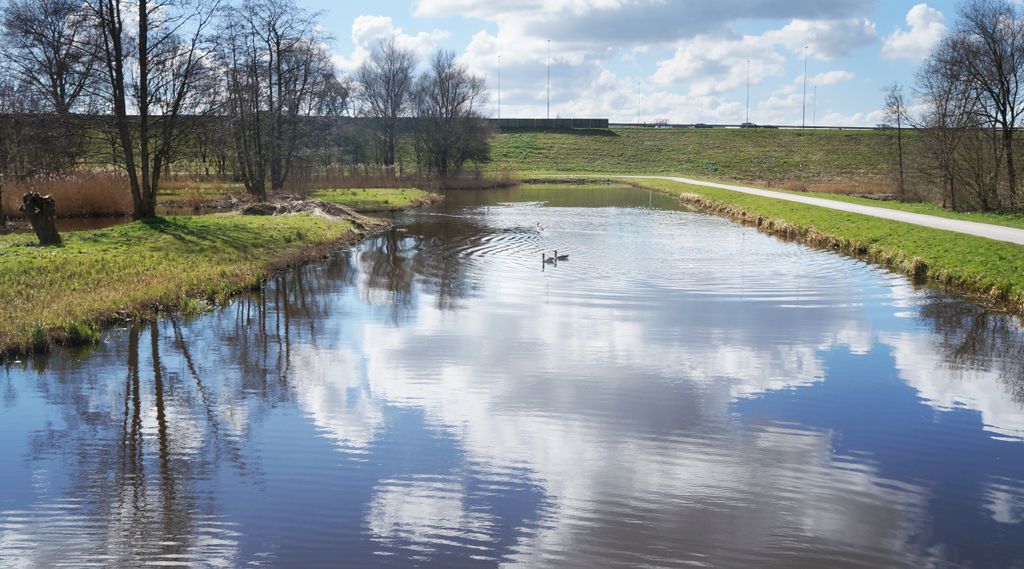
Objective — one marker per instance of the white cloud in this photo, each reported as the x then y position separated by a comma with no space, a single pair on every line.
715,65
926,30
623,22
831,78
712,64
692,61
825,39
368,30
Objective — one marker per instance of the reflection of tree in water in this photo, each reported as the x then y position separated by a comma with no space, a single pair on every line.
258,331
974,338
388,275
133,466
139,455
433,253
140,452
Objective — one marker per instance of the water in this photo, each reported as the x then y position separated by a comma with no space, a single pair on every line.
681,392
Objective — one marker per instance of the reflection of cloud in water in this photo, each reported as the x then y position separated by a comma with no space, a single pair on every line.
707,490
1005,503
947,387
329,386
427,512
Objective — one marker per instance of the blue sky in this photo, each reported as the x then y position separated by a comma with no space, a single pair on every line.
681,60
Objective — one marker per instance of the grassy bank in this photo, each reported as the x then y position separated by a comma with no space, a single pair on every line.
989,271
925,208
1006,219
378,199
198,194
775,156
64,295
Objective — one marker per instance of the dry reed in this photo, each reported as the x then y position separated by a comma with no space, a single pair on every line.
868,188
77,194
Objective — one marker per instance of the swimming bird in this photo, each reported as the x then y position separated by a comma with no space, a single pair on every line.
561,257
546,259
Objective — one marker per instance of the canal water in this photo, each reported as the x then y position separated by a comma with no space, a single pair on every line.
681,392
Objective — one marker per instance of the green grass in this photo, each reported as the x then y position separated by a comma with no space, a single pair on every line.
747,154
176,191
992,271
765,155
376,199
1005,219
66,294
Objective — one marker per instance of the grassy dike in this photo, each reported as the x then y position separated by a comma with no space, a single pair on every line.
733,154
988,271
65,295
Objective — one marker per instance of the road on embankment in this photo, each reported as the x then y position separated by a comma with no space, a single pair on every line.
986,230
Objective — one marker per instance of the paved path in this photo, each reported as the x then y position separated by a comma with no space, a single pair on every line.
987,230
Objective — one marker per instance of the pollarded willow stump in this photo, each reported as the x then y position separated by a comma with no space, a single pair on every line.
41,212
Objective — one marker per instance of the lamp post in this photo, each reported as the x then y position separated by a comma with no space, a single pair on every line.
499,86
814,107
803,119
549,79
747,121
638,103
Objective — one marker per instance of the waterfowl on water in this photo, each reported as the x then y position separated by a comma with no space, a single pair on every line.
545,259
561,257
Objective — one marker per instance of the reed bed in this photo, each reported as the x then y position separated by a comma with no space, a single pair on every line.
77,194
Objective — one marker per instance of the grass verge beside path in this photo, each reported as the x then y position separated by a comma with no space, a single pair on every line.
378,199
65,295
1004,219
985,270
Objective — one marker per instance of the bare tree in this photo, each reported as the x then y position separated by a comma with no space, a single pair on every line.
989,46
386,84
47,44
896,111
950,112
27,134
450,130
278,72
154,60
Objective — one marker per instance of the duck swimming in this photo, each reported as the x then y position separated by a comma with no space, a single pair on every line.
558,257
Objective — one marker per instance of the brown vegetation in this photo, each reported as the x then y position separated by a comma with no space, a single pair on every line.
872,188
77,194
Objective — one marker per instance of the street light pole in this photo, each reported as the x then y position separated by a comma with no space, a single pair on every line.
638,103
549,79
748,93
814,107
499,86
803,120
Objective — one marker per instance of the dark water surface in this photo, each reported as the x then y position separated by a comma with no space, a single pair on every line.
682,392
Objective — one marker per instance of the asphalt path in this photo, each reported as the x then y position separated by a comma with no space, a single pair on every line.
986,230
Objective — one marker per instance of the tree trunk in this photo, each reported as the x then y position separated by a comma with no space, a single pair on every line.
41,212
899,142
1011,172
3,216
